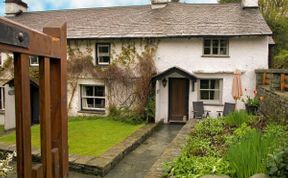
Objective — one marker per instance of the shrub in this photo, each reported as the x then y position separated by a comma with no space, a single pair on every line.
239,133
126,115
197,146
5,162
149,109
237,118
277,164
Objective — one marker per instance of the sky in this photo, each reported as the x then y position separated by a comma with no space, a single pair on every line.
40,5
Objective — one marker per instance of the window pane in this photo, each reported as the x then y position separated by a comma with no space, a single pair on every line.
204,95
100,103
207,43
207,51
99,91
89,90
214,84
223,43
90,102
204,84
215,43
104,59
223,51
214,95
215,50
103,49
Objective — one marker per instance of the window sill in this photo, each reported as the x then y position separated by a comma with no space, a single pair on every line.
215,56
102,112
213,104
2,111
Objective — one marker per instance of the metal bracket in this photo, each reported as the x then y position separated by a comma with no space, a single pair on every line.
13,36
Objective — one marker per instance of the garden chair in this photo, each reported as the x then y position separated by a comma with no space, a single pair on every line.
198,110
228,108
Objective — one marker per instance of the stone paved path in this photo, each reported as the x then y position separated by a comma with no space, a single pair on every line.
138,162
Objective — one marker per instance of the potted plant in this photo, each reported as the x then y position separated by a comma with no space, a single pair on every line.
252,103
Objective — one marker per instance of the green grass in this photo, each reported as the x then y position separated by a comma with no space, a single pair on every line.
90,137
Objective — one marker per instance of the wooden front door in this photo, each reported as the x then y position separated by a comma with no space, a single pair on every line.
178,99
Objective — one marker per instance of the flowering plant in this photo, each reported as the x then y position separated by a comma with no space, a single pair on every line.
253,101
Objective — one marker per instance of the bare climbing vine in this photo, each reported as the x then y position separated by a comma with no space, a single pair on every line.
127,78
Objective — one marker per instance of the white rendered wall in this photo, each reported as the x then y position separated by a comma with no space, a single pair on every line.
10,121
245,54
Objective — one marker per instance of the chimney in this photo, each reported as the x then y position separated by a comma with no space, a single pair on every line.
15,7
249,4
157,4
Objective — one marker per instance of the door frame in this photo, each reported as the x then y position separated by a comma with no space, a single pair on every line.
170,83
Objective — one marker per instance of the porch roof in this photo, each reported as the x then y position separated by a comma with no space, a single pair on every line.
175,70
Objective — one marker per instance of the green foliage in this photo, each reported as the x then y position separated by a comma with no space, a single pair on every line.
209,128
281,59
194,167
125,114
239,134
198,146
279,135
247,156
149,109
237,118
277,166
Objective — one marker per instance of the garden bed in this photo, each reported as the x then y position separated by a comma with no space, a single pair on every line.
238,145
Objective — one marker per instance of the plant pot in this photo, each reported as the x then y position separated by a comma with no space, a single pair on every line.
251,109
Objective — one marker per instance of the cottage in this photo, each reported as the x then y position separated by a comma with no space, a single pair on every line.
198,48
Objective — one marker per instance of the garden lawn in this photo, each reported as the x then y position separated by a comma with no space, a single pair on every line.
89,137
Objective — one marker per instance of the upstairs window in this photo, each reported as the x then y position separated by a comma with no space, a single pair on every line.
34,61
103,54
2,99
92,97
210,90
215,47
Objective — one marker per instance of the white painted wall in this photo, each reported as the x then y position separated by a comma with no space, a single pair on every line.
10,121
245,54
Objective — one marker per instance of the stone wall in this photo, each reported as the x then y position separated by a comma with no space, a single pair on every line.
274,105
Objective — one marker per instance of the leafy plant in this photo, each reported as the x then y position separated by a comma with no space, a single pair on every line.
149,109
277,164
126,115
195,167
237,118
209,128
239,134
5,166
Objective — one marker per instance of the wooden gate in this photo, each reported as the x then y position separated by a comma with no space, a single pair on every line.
50,46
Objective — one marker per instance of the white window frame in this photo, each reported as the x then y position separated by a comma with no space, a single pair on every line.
82,97
33,64
98,54
209,101
219,47
2,100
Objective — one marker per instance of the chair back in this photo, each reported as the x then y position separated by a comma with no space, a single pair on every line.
198,108
228,107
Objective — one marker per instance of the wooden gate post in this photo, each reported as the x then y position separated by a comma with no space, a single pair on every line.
23,112
58,86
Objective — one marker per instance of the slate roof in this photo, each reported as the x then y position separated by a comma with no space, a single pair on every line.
175,20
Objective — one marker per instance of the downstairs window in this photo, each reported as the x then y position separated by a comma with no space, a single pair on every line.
92,97
210,91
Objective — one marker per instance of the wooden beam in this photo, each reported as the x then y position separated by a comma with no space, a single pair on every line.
40,44
23,115
37,171
45,122
58,87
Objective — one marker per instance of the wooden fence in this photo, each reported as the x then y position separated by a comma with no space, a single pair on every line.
276,79
50,45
